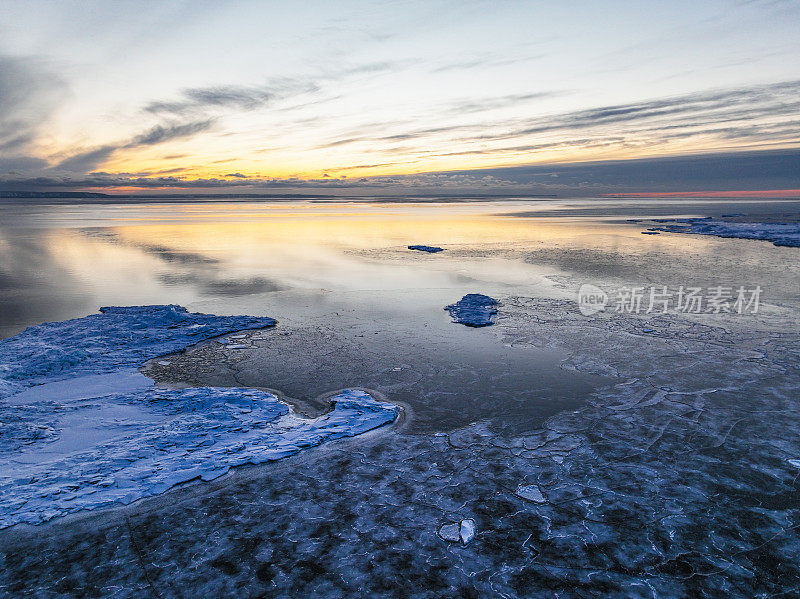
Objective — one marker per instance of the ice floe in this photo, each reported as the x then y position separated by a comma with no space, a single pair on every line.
450,532
473,310
454,532
467,530
531,493
118,337
780,234
81,428
431,249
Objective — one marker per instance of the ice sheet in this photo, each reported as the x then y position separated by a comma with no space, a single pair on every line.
81,441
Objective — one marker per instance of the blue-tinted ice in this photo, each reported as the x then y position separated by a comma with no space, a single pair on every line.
473,310
780,234
81,428
431,249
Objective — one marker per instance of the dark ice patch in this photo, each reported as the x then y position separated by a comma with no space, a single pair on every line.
473,310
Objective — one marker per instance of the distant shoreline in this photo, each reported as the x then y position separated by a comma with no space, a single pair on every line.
16,197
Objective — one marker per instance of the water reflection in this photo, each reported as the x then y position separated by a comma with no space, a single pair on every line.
63,261
362,310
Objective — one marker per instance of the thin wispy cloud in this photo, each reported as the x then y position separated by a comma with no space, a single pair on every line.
229,97
749,114
164,133
89,160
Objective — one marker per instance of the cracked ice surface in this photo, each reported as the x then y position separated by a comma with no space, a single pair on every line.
677,480
90,440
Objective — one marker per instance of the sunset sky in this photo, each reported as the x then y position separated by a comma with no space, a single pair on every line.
365,96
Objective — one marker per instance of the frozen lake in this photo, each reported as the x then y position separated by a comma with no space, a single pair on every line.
570,450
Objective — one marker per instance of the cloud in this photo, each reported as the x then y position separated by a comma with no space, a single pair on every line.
242,98
691,110
217,98
487,60
747,115
494,103
20,164
753,170
164,133
229,97
87,161
29,92
721,171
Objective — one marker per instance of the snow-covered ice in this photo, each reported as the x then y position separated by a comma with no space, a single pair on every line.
780,234
82,428
117,338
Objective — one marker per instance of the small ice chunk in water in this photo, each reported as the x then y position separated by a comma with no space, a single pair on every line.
237,346
244,336
431,249
795,463
163,362
531,493
451,532
467,530
473,310
454,532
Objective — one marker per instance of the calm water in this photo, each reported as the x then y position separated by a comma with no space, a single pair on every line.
342,268
297,259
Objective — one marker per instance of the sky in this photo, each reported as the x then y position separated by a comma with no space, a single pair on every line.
400,97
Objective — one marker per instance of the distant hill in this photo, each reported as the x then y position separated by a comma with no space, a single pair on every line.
52,194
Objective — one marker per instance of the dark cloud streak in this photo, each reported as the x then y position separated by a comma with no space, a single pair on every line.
777,169
89,160
229,97
164,133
